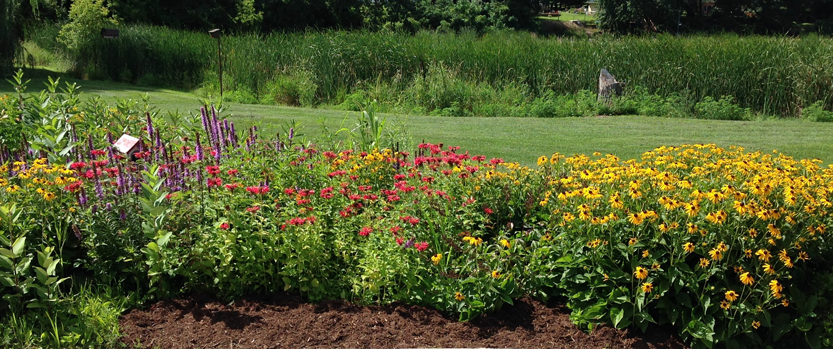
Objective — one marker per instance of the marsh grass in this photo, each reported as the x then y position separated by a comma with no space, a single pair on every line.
470,74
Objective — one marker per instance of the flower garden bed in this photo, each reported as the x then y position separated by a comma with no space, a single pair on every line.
719,244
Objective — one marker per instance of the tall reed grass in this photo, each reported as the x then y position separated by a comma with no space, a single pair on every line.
772,75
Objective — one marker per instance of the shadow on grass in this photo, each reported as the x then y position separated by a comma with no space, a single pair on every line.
40,77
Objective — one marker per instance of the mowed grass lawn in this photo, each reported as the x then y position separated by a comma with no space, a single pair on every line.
513,139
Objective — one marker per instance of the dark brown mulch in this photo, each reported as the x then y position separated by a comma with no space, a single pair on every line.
287,321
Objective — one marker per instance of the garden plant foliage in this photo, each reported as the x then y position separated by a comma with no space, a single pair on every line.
720,243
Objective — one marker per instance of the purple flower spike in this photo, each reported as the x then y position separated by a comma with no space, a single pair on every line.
122,215
150,127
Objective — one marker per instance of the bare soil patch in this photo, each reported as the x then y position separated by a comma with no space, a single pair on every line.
286,321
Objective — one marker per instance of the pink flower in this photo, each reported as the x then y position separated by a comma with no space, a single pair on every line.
253,209
366,231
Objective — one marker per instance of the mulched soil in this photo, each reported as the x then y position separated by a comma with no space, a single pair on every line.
286,321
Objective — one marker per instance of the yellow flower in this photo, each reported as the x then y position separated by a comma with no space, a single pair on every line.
655,266
688,247
731,295
715,254
459,296
785,302
12,188
635,218
647,287
753,232
632,241
775,287
748,253
495,274
436,258
504,243
640,273
725,305
768,269
747,279
48,196
756,324
722,247
542,160
763,255
704,262
645,254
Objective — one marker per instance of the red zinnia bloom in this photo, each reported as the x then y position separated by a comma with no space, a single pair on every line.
365,231
488,210
224,226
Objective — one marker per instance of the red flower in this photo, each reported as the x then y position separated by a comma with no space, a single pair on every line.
253,209
365,231
488,210
399,241
421,246
395,229
212,170
224,226
232,172
215,182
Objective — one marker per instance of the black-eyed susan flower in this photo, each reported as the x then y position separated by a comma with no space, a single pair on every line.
495,274
688,247
747,279
647,287
715,254
756,324
459,296
768,269
632,241
763,255
436,258
505,243
748,253
725,305
640,273
646,254
785,302
731,296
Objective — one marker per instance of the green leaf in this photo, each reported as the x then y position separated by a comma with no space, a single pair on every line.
6,263
802,324
162,241
18,246
616,315
7,253
701,331
51,268
41,274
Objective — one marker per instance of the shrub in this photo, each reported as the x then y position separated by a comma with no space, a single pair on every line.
722,109
295,88
816,112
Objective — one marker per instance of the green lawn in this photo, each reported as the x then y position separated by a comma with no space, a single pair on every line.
516,139
566,16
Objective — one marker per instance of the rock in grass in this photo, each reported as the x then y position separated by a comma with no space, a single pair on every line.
608,86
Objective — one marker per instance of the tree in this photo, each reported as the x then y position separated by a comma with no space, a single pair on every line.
9,34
